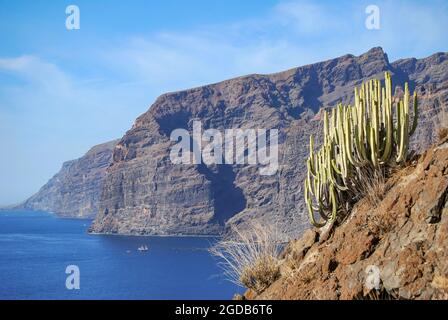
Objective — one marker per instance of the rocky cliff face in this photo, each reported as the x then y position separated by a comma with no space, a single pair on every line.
75,190
144,193
402,242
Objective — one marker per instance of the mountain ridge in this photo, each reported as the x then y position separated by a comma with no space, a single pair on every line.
140,192
288,101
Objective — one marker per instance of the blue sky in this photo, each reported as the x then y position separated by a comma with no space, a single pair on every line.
63,91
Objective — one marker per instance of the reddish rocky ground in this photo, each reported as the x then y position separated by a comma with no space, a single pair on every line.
405,236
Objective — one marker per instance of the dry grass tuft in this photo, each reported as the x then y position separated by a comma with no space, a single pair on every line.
250,258
372,185
261,274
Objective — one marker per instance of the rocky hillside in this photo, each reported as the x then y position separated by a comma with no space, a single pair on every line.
75,190
144,193
404,238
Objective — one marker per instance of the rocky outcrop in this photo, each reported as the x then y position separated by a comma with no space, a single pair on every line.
403,241
75,190
144,193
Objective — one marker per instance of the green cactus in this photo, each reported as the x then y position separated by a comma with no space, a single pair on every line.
366,136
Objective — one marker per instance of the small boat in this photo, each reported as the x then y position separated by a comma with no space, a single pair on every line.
143,248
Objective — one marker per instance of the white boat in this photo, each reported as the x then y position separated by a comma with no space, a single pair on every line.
143,248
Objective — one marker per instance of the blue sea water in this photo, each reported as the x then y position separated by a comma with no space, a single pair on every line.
36,248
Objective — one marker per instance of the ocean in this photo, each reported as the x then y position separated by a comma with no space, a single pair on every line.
37,247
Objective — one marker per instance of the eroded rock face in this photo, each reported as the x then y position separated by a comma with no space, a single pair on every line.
75,190
405,236
144,193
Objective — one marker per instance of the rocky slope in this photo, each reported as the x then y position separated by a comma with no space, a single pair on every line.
144,193
75,190
404,238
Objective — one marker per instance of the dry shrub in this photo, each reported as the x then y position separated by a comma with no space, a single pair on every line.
381,224
372,185
250,257
260,275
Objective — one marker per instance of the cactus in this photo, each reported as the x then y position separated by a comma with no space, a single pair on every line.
366,136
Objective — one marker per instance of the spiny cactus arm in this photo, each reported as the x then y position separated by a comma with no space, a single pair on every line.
332,159
378,90
375,122
360,129
373,148
309,205
342,156
316,187
323,165
367,95
311,156
340,170
331,172
333,125
403,132
388,84
341,162
327,135
401,137
335,167
310,190
308,178
359,147
406,97
334,203
325,208
397,128
356,97
388,124
383,106
362,117
349,139
333,180
415,120
358,139
310,167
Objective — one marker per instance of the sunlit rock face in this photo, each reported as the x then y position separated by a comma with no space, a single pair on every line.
143,192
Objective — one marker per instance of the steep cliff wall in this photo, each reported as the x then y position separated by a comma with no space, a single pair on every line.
75,190
144,193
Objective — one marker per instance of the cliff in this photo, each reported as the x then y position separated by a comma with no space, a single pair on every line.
403,241
75,190
144,193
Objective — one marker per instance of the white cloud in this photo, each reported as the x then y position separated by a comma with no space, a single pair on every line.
293,34
39,73
416,28
307,18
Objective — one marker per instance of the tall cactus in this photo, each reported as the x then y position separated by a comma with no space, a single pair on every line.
371,134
